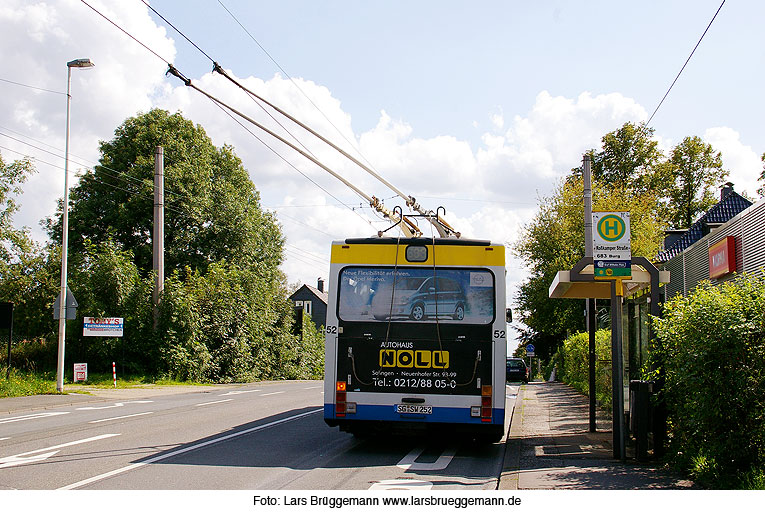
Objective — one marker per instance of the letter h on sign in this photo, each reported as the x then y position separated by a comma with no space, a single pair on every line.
611,228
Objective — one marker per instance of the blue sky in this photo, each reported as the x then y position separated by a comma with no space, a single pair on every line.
479,107
442,66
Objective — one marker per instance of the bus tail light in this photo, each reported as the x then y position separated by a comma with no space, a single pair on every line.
486,404
340,405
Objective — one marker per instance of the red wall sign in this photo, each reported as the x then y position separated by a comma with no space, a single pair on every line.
722,257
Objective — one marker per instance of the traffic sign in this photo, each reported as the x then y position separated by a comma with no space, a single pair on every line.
70,308
530,350
612,255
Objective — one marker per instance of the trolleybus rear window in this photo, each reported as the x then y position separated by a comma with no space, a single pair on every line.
416,295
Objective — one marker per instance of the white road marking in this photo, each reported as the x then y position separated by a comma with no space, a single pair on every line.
181,451
409,462
118,404
401,484
121,417
269,394
239,392
26,417
313,387
4,438
21,458
216,401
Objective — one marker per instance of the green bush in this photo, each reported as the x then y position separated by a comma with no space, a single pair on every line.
711,345
572,365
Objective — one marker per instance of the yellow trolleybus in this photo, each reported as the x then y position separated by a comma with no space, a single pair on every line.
415,336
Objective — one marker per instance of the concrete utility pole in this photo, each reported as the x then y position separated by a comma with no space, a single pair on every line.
158,242
591,302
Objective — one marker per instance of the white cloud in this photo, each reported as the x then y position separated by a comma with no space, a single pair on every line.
741,160
489,190
39,38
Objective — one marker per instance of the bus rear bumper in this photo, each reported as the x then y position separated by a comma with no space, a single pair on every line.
385,416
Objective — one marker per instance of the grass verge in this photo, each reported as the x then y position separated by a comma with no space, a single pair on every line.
26,383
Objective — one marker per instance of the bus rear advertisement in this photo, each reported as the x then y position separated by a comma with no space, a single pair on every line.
416,338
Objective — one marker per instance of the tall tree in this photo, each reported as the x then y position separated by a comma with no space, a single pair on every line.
628,158
696,171
554,241
212,207
12,240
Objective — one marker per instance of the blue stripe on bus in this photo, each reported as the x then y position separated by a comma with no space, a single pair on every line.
388,413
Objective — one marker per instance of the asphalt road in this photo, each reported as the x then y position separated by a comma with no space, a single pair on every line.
254,437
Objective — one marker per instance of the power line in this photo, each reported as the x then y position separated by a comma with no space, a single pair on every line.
256,98
178,31
92,177
314,256
284,159
33,87
127,33
104,169
295,220
293,82
173,70
686,63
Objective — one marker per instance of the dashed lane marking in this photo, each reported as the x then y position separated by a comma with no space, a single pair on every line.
401,484
231,393
216,401
121,417
27,417
181,451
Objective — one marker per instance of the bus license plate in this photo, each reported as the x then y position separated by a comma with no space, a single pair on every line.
414,409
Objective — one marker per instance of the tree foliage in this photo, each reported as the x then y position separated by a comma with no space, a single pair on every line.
695,171
28,274
630,173
13,241
711,346
223,315
212,207
554,241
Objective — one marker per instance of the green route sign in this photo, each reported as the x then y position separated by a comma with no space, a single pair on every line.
611,253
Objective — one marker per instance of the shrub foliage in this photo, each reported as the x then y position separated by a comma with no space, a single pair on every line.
711,345
572,365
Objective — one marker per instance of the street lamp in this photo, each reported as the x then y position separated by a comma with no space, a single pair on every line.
84,64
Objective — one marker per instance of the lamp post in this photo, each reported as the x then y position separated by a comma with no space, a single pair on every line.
85,64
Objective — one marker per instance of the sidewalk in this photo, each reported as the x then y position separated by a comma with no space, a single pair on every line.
550,447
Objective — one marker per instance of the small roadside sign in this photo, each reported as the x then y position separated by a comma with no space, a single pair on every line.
612,254
530,350
81,372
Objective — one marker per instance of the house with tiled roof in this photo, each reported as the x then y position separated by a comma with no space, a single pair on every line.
727,239
731,203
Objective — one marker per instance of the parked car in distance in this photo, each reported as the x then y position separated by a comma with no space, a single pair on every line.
517,371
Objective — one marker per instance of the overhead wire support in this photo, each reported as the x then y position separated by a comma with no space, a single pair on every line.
443,228
409,228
